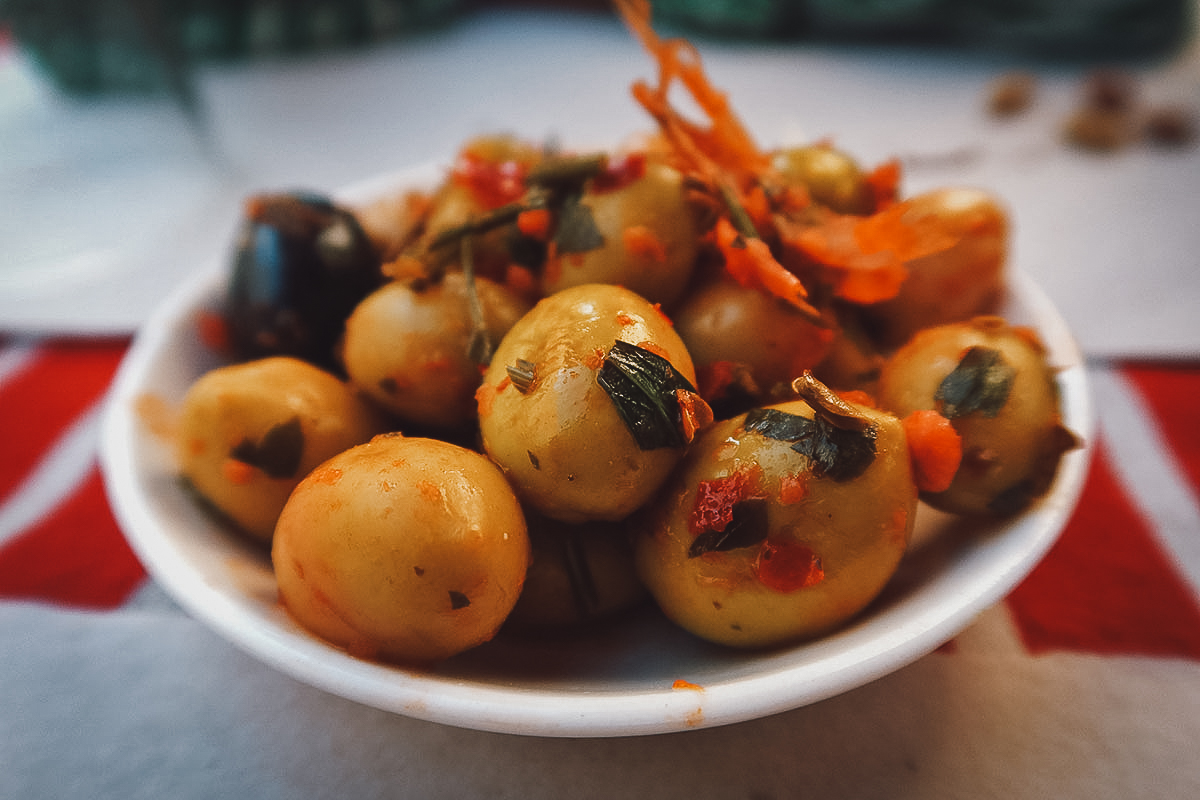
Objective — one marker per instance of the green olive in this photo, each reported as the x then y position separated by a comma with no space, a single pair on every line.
249,432
403,549
546,418
832,178
580,574
747,342
804,548
992,381
955,284
651,239
410,348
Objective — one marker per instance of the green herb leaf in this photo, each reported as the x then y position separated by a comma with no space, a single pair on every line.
642,386
522,374
981,382
577,231
779,425
747,528
839,454
279,451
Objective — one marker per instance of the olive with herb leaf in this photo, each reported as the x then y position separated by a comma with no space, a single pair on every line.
953,284
247,434
748,346
782,523
642,234
991,380
589,403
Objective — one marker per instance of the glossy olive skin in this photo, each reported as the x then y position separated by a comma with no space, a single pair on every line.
410,347
580,575
300,267
225,421
855,531
403,549
660,271
729,328
953,285
832,177
1010,456
562,442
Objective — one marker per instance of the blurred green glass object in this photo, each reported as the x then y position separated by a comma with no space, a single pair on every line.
1042,28
91,46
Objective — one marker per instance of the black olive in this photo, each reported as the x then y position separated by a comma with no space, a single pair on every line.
301,266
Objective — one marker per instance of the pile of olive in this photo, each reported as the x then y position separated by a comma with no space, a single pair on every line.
533,395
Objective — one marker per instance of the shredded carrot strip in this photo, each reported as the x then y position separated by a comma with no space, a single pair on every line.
884,181
865,257
935,448
751,263
725,143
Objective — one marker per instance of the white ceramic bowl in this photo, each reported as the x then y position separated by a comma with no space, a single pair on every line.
642,676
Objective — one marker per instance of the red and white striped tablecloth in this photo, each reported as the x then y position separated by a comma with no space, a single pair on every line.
1083,682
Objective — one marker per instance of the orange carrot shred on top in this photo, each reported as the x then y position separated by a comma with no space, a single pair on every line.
751,263
884,181
239,473
725,143
642,242
535,223
853,274
935,448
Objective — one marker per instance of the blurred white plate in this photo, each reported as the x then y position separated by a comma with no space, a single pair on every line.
641,676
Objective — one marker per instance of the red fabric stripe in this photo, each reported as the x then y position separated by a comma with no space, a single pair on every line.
1170,393
76,556
1106,586
36,405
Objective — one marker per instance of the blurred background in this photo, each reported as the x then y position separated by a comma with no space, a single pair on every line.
130,130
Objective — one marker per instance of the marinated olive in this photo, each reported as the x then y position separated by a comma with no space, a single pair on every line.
779,525
587,403
955,284
416,350
832,177
650,239
301,265
249,432
580,574
992,381
489,172
404,549
747,344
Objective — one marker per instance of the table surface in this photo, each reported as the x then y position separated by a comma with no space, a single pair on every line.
1084,682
